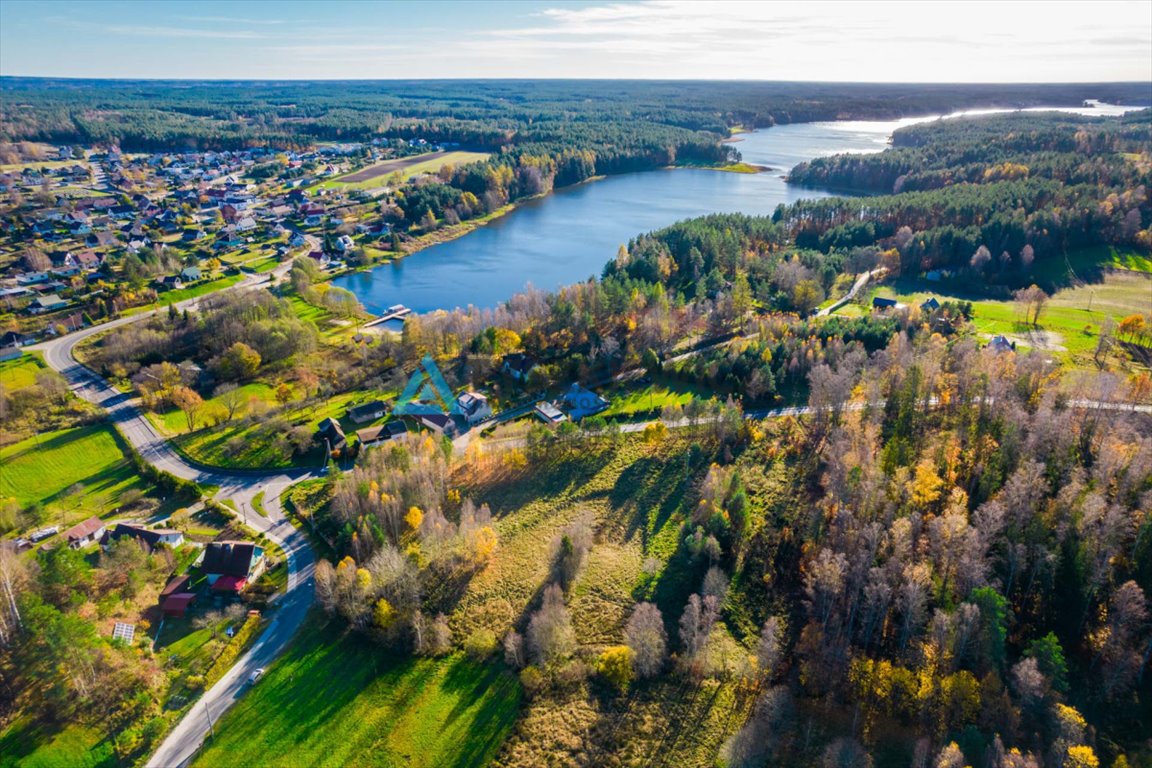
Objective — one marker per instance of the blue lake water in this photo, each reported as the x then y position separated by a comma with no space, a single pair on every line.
571,234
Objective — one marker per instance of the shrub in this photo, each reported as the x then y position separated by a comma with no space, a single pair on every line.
480,644
615,666
533,681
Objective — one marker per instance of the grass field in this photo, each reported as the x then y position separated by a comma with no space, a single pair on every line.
377,175
627,402
256,395
200,289
1069,325
20,373
325,322
339,700
243,445
44,470
30,745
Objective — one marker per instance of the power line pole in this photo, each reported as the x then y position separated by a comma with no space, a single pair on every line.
208,714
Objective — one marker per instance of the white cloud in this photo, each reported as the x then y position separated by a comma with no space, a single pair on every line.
938,41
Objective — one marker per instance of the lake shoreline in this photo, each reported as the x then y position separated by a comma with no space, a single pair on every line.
452,232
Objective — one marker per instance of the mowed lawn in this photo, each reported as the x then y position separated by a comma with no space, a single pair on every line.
336,699
41,470
21,372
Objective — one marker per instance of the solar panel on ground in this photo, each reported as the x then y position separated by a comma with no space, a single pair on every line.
124,632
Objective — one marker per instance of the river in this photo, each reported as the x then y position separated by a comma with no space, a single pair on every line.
568,236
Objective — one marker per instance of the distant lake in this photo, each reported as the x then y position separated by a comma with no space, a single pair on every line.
568,236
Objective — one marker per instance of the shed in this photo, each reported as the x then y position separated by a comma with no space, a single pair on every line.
176,605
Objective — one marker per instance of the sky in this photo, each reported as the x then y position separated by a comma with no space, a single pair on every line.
909,41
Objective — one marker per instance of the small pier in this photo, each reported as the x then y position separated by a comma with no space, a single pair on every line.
394,312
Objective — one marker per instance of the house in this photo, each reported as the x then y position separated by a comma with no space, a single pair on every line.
582,402
149,538
930,304
549,413
381,433
190,274
101,239
442,424
344,243
882,303
230,565
171,282
474,407
368,411
10,353
88,259
297,240
330,430
32,278
42,304
1000,344
14,339
88,532
245,224
518,365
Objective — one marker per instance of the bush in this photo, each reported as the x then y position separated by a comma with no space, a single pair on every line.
480,644
615,666
533,681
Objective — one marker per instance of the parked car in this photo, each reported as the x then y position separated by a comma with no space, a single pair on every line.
256,675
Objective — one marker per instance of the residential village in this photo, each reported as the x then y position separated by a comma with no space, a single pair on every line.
88,234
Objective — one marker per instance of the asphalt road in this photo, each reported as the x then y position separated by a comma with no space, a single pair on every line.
287,613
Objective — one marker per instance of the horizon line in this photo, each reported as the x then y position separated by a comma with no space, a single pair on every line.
108,78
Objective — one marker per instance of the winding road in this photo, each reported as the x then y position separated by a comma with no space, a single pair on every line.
290,610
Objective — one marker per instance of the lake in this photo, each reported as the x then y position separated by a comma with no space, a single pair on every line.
569,236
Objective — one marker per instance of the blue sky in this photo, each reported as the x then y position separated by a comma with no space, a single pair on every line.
723,39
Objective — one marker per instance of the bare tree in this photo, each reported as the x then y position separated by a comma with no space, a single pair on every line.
770,649
981,258
514,650
696,623
231,397
571,549
1032,301
765,731
12,577
645,635
550,633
